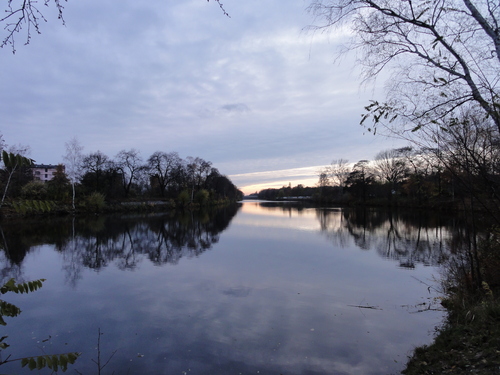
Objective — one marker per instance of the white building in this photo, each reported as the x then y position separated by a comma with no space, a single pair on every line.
43,172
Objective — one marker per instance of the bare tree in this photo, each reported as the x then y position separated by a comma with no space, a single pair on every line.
323,180
3,145
198,170
162,167
470,151
129,163
96,163
73,163
339,172
444,54
390,165
26,15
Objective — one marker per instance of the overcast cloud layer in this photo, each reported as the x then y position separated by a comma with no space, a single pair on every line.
252,93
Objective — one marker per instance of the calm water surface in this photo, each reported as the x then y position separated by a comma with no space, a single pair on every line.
256,289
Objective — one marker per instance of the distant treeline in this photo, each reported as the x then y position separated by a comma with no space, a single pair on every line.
100,180
406,176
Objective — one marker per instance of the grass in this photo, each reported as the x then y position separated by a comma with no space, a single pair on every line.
469,341
468,345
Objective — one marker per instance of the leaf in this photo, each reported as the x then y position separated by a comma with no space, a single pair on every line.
63,361
32,364
72,357
8,309
8,286
55,362
40,362
4,345
24,362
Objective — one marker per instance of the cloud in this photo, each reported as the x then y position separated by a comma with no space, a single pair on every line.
251,93
236,107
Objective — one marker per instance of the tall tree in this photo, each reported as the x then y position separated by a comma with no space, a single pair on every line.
339,172
130,165
162,168
59,184
73,159
443,54
360,178
390,166
12,163
95,165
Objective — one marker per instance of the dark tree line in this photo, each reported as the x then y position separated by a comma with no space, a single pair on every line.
127,176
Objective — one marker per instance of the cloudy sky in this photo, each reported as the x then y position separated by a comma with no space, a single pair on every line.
256,94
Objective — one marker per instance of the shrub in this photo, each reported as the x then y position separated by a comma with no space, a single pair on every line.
201,197
183,198
95,202
35,190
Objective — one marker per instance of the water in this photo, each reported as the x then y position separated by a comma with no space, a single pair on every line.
257,289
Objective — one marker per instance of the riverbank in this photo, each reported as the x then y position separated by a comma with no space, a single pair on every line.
468,343
469,340
32,208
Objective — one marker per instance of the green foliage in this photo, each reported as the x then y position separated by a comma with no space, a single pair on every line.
34,190
54,361
8,309
95,202
201,196
33,206
30,286
11,160
183,198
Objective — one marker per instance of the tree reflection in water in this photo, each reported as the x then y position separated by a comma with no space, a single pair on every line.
123,240
408,237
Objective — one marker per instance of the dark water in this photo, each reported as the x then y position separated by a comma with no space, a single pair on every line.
255,289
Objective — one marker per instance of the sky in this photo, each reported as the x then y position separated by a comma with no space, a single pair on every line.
258,93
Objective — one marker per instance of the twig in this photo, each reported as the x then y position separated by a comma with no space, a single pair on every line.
429,287
98,363
365,307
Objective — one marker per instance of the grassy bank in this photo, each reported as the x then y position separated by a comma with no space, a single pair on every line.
468,343
469,340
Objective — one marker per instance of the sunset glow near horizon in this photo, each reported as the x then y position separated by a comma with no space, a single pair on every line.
251,183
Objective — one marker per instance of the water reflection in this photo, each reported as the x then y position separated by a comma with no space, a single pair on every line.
407,237
275,295
96,242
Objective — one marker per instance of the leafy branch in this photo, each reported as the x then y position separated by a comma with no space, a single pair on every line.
52,361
